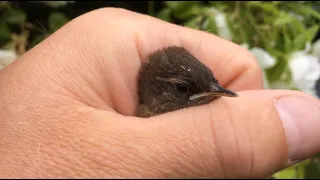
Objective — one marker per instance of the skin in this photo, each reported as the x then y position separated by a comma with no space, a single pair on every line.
67,106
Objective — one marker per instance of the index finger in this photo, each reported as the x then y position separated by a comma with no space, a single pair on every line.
234,66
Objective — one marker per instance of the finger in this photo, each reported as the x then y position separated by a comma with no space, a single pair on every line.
234,66
253,136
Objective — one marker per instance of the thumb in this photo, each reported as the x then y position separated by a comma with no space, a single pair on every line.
252,136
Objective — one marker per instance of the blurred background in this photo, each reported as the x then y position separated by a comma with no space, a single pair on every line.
283,36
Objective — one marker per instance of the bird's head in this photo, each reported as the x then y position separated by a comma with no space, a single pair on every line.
174,77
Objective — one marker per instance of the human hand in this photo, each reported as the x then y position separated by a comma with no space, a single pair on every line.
67,109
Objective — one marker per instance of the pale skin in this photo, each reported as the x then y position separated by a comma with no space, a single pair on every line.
67,108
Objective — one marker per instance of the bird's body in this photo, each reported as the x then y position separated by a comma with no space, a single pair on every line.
172,79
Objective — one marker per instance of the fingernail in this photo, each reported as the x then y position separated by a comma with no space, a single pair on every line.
301,122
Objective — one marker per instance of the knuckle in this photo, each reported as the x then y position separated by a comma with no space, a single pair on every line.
106,17
107,12
251,71
253,65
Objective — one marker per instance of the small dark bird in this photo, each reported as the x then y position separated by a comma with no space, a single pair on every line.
172,79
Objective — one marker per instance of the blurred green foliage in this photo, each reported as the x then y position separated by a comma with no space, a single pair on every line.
16,30
279,27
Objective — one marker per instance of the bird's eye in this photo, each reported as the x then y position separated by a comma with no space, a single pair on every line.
181,87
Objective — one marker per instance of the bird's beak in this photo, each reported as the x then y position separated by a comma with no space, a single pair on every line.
214,90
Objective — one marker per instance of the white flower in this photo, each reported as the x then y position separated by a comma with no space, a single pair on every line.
245,45
222,26
265,61
7,57
305,70
264,58
221,23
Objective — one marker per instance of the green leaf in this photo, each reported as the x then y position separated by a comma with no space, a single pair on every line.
289,173
188,13
180,5
277,53
247,26
296,171
297,27
295,89
299,42
313,169
5,33
286,75
265,6
312,32
233,30
193,23
184,9
37,40
164,14
287,43
211,25
151,8
220,5
263,41
3,4
56,21
274,74
15,16
283,19
307,36
305,10
276,2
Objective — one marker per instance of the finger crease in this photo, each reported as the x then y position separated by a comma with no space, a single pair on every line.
217,149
